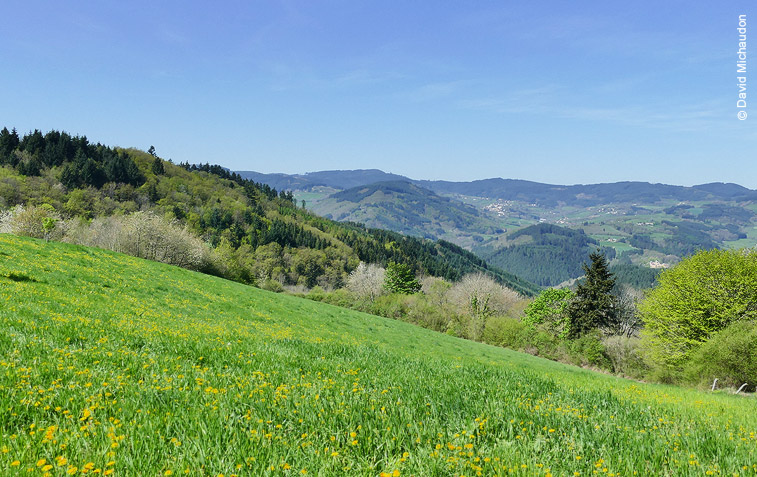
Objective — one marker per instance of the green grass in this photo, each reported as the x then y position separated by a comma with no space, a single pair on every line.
620,247
113,364
314,196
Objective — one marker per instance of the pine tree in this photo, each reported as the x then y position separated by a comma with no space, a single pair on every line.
8,143
401,279
157,167
594,305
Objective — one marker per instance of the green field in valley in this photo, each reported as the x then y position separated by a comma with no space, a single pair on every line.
113,365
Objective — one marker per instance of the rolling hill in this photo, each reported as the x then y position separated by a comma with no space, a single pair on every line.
110,364
545,254
408,209
336,179
548,195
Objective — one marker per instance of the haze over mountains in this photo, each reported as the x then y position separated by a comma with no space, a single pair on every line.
512,189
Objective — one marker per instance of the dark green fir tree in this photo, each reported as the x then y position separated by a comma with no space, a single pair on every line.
594,306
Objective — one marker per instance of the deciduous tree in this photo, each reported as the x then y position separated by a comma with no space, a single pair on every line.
549,310
701,295
366,281
479,297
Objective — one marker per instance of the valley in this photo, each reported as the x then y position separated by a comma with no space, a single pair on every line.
646,225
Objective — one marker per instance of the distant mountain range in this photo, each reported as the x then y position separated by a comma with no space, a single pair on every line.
637,223
336,179
514,189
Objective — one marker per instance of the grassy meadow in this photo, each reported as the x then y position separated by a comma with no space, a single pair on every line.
112,365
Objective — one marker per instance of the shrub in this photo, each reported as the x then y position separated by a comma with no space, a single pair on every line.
33,221
589,350
541,343
272,285
343,298
625,356
505,331
425,314
457,327
144,235
317,293
730,355
390,306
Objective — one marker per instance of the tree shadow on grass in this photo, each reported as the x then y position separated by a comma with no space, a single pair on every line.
19,277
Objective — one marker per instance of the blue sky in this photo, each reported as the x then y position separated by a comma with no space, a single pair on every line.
552,91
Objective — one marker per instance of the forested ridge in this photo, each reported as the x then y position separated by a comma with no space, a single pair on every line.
254,233
545,254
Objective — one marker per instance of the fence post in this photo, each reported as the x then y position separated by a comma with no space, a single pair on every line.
713,384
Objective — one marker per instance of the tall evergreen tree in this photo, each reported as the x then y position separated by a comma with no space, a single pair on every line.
400,278
594,305
119,167
8,143
157,167
33,143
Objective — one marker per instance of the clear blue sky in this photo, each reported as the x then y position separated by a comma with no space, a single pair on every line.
552,91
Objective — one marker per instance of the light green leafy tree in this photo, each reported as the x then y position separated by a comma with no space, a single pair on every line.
701,295
48,225
548,311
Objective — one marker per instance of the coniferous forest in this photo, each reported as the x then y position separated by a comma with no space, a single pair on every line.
545,254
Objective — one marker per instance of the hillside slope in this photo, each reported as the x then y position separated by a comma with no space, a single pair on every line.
545,254
406,208
113,364
236,228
